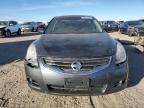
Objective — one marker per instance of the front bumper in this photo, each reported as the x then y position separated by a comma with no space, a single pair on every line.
54,81
2,32
114,28
26,29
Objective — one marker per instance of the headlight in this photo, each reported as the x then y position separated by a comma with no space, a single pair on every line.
120,54
109,25
31,55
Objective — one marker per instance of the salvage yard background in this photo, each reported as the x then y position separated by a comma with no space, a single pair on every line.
15,93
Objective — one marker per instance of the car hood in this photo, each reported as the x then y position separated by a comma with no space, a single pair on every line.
76,45
139,26
2,26
24,26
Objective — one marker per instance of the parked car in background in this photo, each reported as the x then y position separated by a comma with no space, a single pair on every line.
7,28
75,56
128,27
120,23
139,29
41,25
29,26
110,26
101,23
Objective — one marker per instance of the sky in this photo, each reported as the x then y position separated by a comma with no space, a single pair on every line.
45,10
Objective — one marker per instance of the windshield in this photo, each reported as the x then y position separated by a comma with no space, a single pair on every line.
112,23
73,26
142,21
27,23
133,23
3,22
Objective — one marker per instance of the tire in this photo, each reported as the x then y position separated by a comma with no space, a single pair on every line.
36,29
19,32
8,33
32,29
2,34
129,34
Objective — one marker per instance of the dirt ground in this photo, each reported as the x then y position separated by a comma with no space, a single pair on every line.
15,93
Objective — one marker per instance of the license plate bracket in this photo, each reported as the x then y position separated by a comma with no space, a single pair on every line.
76,83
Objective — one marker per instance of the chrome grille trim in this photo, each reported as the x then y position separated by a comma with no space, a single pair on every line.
87,63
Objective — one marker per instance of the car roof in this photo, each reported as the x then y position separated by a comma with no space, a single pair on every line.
108,21
73,17
132,21
3,21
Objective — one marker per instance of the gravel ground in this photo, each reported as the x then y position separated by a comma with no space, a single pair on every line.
15,93
23,37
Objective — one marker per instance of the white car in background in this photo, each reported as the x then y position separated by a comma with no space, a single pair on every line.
7,28
29,27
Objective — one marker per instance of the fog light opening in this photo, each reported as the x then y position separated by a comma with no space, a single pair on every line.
123,82
120,83
104,88
29,80
32,82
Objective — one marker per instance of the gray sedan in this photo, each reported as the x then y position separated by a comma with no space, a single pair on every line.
75,56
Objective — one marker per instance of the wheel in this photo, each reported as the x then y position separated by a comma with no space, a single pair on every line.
36,29
129,33
8,33
19,32
32,29
2,34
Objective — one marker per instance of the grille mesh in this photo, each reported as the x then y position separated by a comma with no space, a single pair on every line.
87,63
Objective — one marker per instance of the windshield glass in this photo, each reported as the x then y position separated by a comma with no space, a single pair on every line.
27,23
142,21
133,23
73,26
112,23
3,22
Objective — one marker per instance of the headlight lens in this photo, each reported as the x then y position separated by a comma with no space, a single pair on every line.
31,55
120,54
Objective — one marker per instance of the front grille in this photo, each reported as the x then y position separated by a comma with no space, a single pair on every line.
87,63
